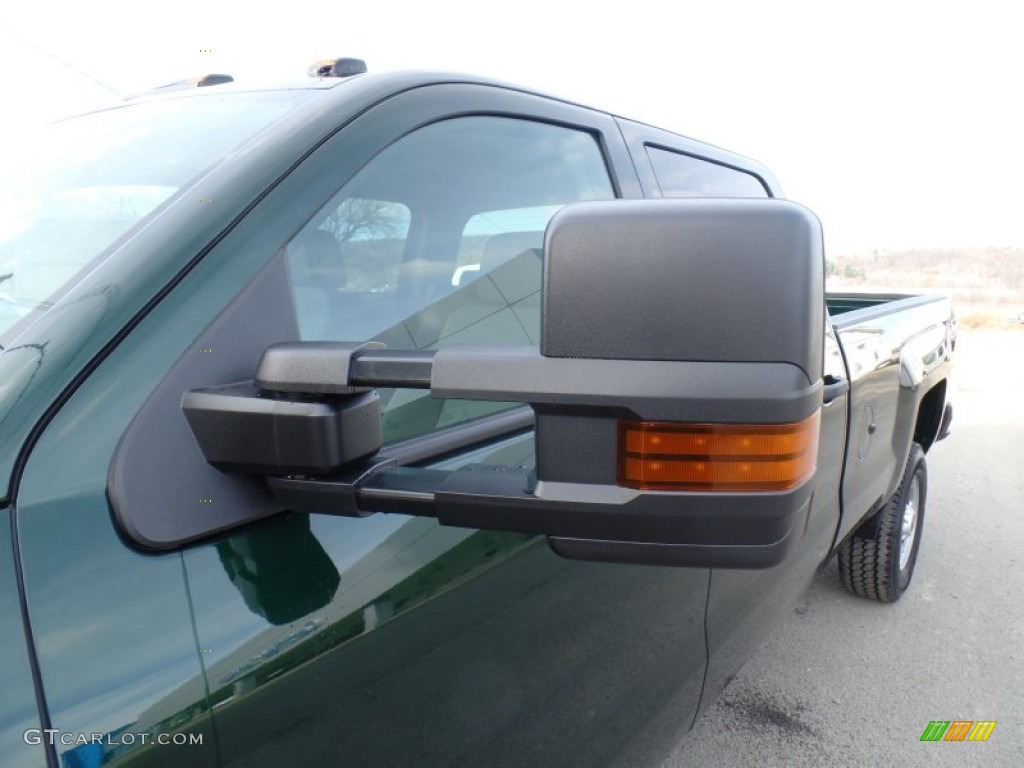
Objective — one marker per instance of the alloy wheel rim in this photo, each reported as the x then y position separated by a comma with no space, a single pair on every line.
908,528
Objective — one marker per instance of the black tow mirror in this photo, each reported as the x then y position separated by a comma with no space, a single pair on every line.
676,393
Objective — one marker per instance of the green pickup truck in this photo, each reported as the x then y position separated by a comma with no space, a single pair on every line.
414,419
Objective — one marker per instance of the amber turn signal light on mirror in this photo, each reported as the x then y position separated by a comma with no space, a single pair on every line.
667,456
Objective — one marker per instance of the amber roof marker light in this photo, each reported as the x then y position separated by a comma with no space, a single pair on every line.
669,456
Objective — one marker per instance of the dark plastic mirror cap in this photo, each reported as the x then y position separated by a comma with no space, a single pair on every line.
707,279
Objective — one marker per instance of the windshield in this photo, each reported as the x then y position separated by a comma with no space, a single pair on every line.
71,191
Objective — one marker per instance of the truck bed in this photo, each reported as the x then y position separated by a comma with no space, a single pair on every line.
897,350
848,309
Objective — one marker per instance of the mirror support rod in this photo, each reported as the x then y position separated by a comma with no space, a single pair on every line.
505,499
341,368
647,389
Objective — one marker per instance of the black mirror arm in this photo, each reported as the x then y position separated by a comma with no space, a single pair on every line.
505,499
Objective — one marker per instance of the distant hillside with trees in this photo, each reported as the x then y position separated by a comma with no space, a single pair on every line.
986,284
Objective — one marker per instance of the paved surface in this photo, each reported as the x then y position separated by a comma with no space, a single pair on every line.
849,682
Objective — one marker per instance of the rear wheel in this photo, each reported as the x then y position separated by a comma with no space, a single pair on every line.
877,560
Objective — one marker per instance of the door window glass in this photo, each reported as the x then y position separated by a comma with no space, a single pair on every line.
438,240
682,175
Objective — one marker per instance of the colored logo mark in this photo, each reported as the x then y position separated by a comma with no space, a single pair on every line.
958,730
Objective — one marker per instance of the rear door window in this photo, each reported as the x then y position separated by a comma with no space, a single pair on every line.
682,175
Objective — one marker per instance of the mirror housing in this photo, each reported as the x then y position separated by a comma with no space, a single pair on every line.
676,393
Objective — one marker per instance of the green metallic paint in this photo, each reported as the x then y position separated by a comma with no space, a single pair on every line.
18,712
113,632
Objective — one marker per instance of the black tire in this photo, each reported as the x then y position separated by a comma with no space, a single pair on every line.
870,559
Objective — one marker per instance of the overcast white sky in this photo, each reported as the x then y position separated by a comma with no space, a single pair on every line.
899,123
